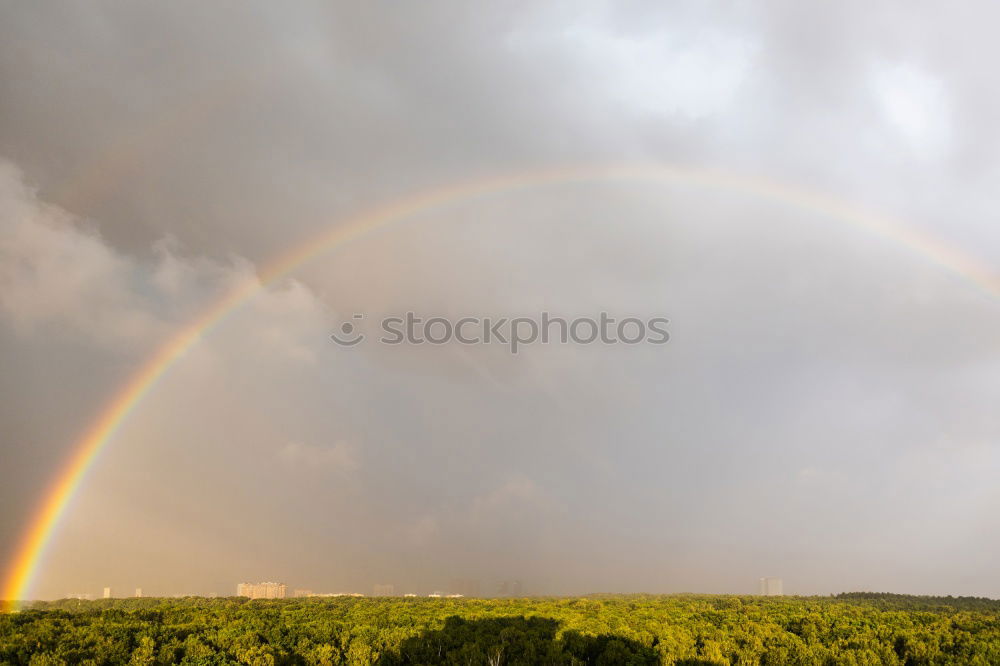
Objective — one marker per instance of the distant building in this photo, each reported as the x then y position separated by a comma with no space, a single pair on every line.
303,593
510,588
466,587
138,592
107,593
410,594
266,590
384,590
770,587
83,596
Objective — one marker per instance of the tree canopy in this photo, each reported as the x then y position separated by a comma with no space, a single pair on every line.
857,628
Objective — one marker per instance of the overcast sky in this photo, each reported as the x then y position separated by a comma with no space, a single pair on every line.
826,408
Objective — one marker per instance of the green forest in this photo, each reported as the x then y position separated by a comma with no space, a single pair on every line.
856,628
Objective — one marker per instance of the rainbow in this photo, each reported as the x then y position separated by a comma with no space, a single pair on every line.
31,548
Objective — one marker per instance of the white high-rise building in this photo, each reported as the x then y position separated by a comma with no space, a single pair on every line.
138,592
107,593
770,587
261,590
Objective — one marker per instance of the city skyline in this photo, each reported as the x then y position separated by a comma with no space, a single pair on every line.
457,587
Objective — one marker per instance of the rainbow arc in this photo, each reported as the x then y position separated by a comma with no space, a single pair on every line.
42,527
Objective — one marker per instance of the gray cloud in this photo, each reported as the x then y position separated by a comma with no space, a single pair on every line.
824,410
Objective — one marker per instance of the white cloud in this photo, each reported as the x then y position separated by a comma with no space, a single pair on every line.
916,106
55,271
671,70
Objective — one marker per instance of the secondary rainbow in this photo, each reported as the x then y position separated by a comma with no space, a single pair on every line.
30,550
